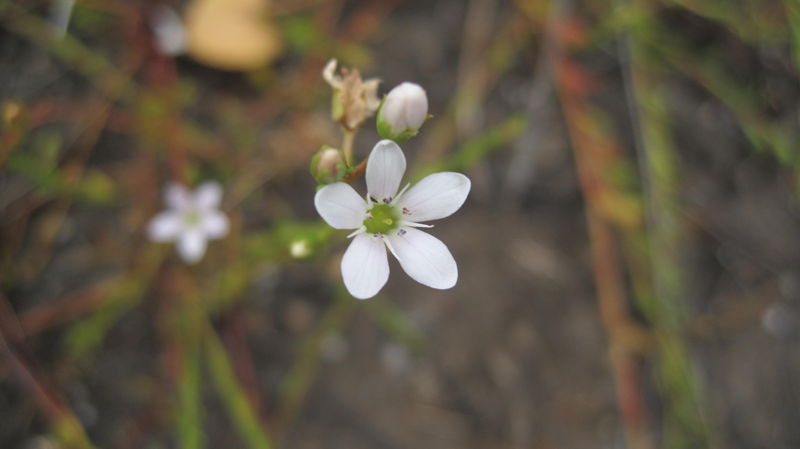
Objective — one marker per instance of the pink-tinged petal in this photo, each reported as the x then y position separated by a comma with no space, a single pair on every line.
435,196
340,206
191,245
214,224
176,196
425,258
208,195
365,267
165,226
385,169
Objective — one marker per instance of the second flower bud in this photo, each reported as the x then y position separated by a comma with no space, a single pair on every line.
402,112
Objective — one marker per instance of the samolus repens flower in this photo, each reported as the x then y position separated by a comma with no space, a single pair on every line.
402,112
388,218
354,99
191,219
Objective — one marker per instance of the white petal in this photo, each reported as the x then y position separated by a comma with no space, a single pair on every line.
192,245
214,224
208,195
425,258
392,112
416,107
165,226
176,196
365,268
168,30
385,169
435,196
340,206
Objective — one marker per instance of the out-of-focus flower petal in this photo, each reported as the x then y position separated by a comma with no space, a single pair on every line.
170,36
208,195
214,224
165,226
176,196
191,245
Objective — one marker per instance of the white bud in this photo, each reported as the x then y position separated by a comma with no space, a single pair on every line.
327,165
168,31
329,160
404,110
300,249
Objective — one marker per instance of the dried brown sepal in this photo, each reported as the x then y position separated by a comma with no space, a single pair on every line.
354,99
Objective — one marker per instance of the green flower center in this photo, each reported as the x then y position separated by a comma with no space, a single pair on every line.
191,217
382,219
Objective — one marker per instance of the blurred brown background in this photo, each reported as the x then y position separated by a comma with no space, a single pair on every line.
628,255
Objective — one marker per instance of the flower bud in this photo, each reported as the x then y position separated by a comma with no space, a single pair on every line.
327,165
402,112
300,249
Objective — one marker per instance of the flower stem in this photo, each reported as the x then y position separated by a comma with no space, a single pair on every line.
357,171
347,145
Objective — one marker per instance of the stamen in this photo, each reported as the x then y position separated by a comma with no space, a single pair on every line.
402,232
406,211
413,224
360,230
402,191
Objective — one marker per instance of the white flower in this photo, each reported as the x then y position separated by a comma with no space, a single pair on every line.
168,31
403,111
192,218
300,249
389,219
60,16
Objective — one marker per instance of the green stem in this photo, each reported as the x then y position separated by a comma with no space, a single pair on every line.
347,145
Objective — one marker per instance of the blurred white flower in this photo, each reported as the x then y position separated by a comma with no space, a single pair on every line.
300,249
60,16
191,219
403,111
389,219
168,31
